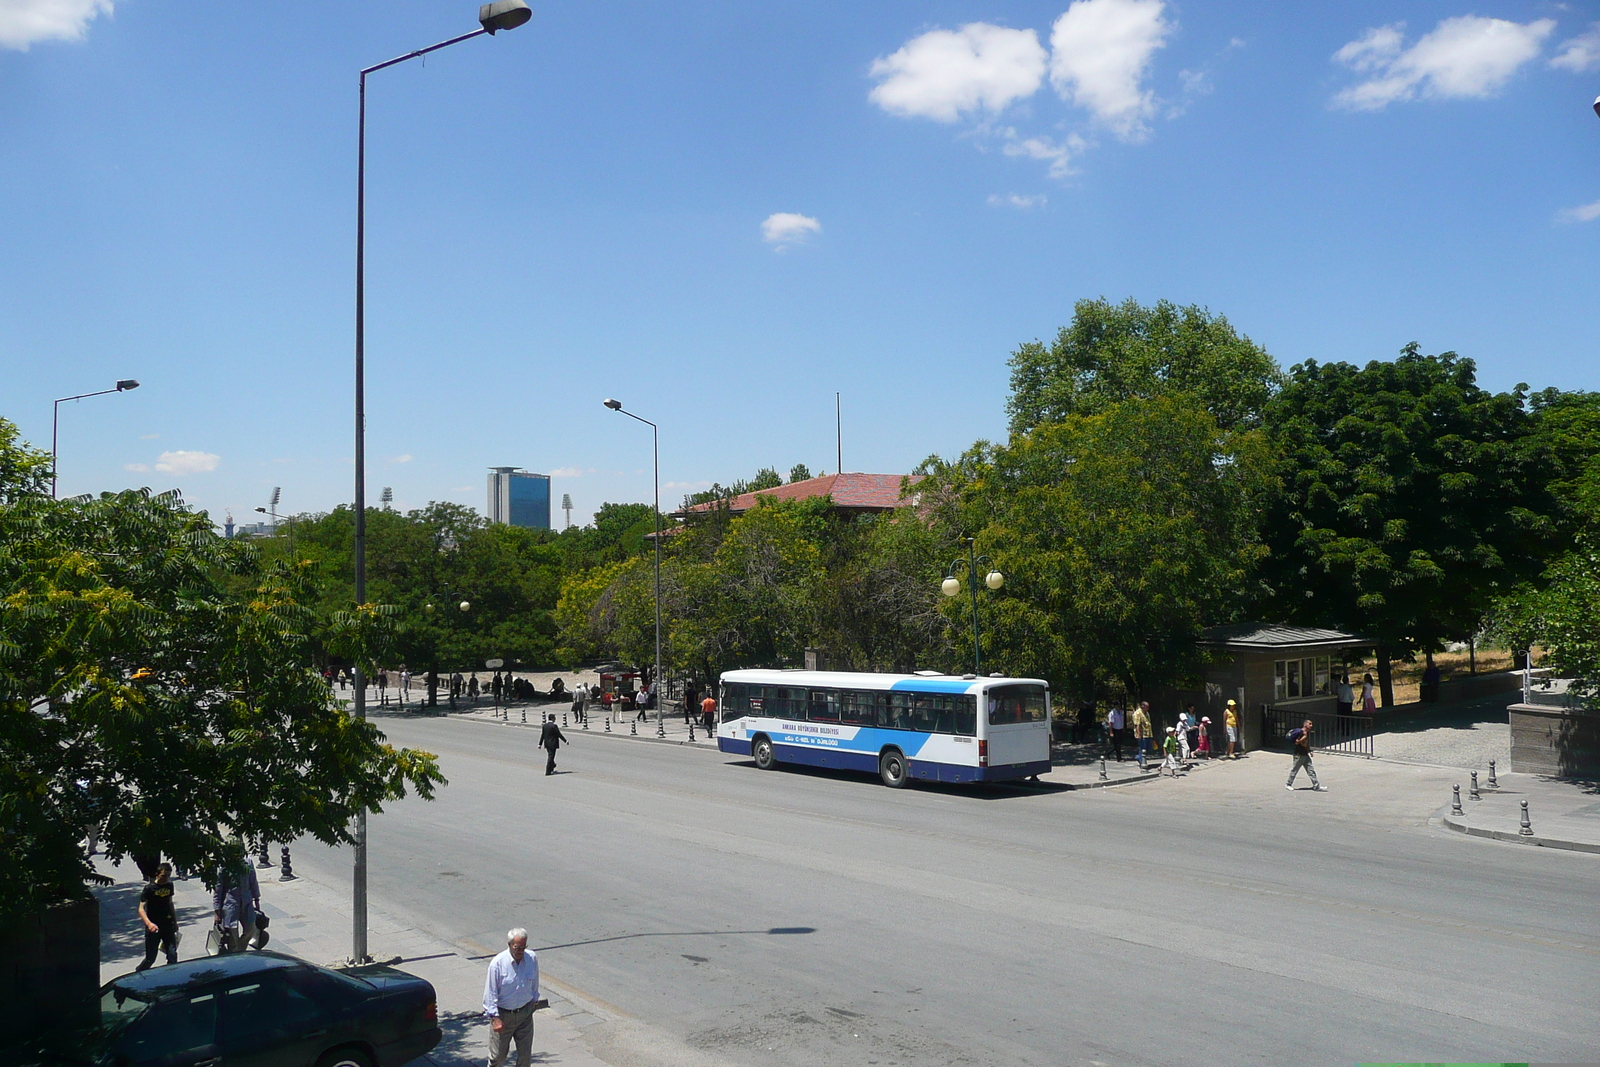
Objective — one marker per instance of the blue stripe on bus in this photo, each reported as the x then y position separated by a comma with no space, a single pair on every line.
867,739
931,685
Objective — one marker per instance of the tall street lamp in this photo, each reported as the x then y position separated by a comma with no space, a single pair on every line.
271,511
500,15
951,586
655,682
55,421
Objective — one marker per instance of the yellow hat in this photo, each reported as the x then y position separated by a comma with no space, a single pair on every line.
1235,703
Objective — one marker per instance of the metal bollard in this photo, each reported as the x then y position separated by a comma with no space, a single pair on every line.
285,871
608,724
661,726
633,728
1455,804
1492,783
1103,769
563,718
1475,795
691,730
262,859
1527,827
524,716
586,722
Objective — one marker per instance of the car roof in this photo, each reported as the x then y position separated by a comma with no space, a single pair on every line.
177,977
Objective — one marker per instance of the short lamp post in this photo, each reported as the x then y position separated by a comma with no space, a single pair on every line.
656,689
122,386
492,18
951,586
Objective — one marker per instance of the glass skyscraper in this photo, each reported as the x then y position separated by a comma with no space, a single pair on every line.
518,498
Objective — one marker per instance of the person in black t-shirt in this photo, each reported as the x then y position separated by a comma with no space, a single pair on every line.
160,918
1302,757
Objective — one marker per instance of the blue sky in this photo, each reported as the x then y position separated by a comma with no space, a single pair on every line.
722,213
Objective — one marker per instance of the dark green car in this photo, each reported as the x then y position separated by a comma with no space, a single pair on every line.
257,1009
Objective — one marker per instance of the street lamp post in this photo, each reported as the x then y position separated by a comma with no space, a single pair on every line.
492,17
271,511
465,606
55,421
655,437
951,586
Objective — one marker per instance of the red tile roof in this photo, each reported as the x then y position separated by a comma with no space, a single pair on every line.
848,492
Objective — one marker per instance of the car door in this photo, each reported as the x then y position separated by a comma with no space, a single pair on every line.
172,1033
266,1022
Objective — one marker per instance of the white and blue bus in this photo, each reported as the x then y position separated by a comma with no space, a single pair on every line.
937,728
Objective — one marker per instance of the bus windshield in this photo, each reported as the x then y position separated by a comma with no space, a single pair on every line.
1016,703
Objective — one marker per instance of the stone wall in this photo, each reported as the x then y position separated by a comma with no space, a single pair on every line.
1559,742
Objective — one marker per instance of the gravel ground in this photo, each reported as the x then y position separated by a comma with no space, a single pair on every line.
1459,735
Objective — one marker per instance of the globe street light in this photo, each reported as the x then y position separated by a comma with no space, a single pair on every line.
492,17
655,437
122,386
433,685
951,586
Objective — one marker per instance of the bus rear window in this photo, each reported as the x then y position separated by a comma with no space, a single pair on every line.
1016,703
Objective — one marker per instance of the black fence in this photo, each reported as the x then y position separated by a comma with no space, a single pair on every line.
1349,734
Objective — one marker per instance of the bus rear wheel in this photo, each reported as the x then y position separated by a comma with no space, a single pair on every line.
893,770
765,758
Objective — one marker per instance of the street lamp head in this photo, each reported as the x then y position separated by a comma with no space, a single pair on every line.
466,605
262,510
614,405
994,580
504,15
125,384
950,586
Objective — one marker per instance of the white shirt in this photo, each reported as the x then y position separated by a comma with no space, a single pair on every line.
1115,719
511,985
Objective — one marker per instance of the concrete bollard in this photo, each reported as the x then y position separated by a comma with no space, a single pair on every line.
285,871
1103,769
1527,827
1492,783
1475,795
1455,804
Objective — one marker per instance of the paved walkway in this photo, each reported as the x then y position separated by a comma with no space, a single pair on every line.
313,921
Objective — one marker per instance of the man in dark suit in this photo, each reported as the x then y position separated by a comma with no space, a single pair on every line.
549,737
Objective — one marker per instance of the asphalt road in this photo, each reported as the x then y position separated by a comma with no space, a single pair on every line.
732,916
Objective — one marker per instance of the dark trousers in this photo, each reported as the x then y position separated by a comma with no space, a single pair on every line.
1115,738
163,937
550,760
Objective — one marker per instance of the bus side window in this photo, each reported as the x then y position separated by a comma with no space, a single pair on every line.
897,716
734,696
824,705
967,716
922,713
859,708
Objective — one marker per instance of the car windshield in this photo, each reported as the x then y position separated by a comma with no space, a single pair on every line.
118,1008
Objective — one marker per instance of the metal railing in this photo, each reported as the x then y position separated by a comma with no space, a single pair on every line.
1348,734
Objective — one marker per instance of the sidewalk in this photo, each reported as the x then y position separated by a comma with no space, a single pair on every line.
313,921
1562,814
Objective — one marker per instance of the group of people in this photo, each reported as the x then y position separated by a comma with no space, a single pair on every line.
1191,738
621,701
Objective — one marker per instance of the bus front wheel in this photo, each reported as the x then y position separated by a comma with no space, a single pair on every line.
892,768
764,756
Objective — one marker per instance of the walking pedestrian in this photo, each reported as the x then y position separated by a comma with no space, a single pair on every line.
1169,749
1302,757
1142,732
160,918
1203,750
383,687
1115,723
1230,722
708,712
509,994
237,899
1182,733
1369,695
405,683
472,687
577,704
550,736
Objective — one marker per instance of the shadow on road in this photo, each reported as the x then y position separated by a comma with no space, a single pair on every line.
975,791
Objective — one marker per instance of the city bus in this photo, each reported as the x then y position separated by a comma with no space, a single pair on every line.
904,727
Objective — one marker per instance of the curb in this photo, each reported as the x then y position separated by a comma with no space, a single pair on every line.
1452,823
697,745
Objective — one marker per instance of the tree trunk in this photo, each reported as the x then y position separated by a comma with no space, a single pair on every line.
1385,678
433,687
1472,654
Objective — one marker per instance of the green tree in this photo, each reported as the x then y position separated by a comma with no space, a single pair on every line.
1409,503
799,473
1116,352
158,679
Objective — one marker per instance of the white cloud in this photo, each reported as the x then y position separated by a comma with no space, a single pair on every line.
784,228
1465,56
1100,53
1057,153
1018,201
944,74
404,458
182,462
22,22
569,472
1583,213
148,436
1580,53
137,467
693,487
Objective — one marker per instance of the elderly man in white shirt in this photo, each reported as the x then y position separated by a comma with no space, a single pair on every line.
509,995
